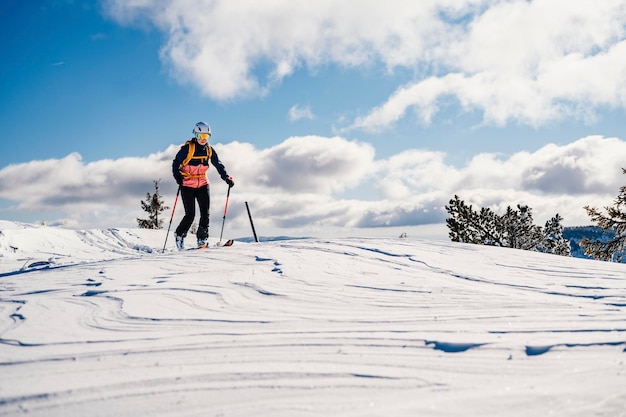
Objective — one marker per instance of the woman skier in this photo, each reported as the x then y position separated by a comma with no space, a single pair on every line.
190,171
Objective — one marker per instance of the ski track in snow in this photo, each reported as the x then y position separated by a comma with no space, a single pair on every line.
347,327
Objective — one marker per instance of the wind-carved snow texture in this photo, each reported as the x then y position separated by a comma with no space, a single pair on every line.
345,327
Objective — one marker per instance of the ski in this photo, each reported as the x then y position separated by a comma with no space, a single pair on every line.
219,244
197,248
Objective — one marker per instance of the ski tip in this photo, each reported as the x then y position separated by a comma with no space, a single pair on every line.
229,242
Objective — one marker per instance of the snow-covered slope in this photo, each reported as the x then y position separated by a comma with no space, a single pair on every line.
346,327
24,246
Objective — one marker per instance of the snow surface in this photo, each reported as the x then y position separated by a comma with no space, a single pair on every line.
101,323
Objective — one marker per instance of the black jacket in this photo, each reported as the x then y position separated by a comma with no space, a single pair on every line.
199,150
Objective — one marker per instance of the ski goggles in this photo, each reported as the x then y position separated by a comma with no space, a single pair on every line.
203,136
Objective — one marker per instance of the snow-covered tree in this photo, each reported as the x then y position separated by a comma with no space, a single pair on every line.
153,205
519,230
463,222
614,220
553,240
514,229
489,228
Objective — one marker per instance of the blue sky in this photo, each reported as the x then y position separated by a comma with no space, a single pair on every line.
421,98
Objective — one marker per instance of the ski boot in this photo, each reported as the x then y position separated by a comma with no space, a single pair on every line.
180,244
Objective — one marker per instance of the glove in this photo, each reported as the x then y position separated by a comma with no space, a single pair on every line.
179,180
230,181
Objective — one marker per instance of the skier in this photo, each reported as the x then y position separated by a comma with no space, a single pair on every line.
190,171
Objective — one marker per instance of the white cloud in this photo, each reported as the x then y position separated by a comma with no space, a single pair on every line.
297,113
303,183
513,60
105,189
308,164
231,49
529,62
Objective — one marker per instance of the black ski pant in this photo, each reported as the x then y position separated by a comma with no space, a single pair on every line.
189,197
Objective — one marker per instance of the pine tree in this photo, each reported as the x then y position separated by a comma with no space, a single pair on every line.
463,222
614,220
490,228
519,230
514,229
153,205
553,240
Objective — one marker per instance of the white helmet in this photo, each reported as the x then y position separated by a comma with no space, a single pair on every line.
201,127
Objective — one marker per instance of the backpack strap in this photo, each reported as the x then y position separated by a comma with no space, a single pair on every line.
191,150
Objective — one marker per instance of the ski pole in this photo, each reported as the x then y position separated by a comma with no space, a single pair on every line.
256,239
171,218
225,209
